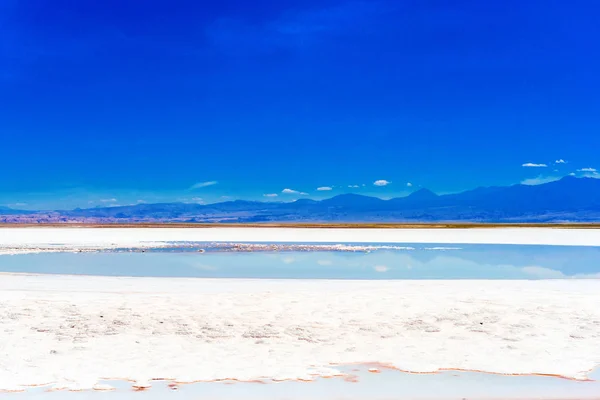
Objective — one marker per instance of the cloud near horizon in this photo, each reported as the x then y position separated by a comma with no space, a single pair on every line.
270,195
539,180
324,188
381,268
292,191
203,184
381,182
533,165
587,169
592,174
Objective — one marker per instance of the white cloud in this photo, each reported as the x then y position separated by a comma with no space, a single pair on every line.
108,200
381,268
534,165
381,182
543,273
203,184
292,191
540,180
560,161
324,188
353,186
593,174
17,204
409,184
572,174
198,200
588,169
270,195
140,201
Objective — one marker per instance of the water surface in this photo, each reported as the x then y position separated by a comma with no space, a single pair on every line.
415,262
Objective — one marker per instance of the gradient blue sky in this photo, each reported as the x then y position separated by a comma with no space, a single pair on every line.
119,101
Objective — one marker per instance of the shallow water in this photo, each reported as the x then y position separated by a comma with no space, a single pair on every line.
386,384
419,262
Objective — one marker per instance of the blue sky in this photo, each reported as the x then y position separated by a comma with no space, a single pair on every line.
119,101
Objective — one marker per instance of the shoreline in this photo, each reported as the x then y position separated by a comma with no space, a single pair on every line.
362,377
36,237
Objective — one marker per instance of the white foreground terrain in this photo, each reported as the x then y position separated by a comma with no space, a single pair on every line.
73,332
70,332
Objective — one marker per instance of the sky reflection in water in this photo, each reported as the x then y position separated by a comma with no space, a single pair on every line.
424,262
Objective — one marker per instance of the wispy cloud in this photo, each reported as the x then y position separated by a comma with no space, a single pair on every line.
560,161
108,200
324,188
539,180
270,195
292,191
203,184
203,267
381,182
198,200
542,272
589,173
353,186
409,184
533,165
381,268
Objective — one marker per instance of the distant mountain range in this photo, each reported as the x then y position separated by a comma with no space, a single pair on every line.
567,200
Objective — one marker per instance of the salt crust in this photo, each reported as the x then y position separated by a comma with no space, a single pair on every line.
71,332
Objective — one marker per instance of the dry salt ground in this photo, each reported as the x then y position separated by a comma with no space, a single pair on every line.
71,332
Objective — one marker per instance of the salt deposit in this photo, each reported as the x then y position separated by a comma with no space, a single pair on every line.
75,332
